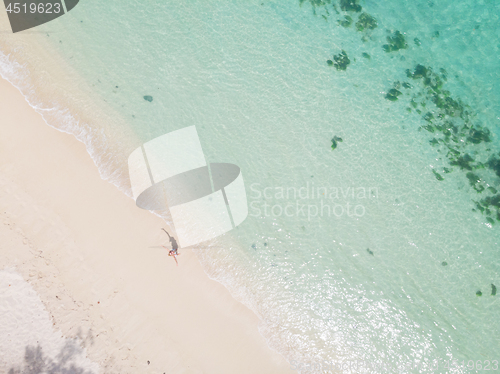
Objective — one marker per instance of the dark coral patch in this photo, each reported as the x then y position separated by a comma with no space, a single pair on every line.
463,162
437,175
475,181
393,94
346,22
395,42
366,22
350,5
335,141
478,135
341,61
450,123
494,164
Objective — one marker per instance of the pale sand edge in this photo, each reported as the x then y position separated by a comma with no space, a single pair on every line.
88,244
66,100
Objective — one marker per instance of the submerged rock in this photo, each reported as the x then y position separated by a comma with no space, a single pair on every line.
449,121
335,141
473,178
420,72
393,94
428,117
444,263
493,290
370,252
148,98
396,42
334,144
491,201
494,164
479,293
437,175
444,74
366,22
492,190
316,3
341,61
478,135
366,55
463,162
350,6
346,22
474,181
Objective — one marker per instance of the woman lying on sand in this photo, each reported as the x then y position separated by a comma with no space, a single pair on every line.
175,247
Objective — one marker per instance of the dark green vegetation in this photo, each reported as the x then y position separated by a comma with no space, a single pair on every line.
475,181
317,3
450,124
350,6
437,175
395,42
346,22
148,98
393,94
455,134
335,141
366,22
341,61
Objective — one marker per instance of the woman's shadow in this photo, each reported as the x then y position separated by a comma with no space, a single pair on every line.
173,242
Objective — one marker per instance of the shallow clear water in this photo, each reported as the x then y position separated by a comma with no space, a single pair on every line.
358,253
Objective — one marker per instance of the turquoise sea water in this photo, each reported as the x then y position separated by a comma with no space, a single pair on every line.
369,254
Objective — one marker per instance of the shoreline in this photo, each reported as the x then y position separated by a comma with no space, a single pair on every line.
84,241
65,100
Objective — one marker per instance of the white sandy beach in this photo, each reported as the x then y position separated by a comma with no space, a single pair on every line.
85,248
